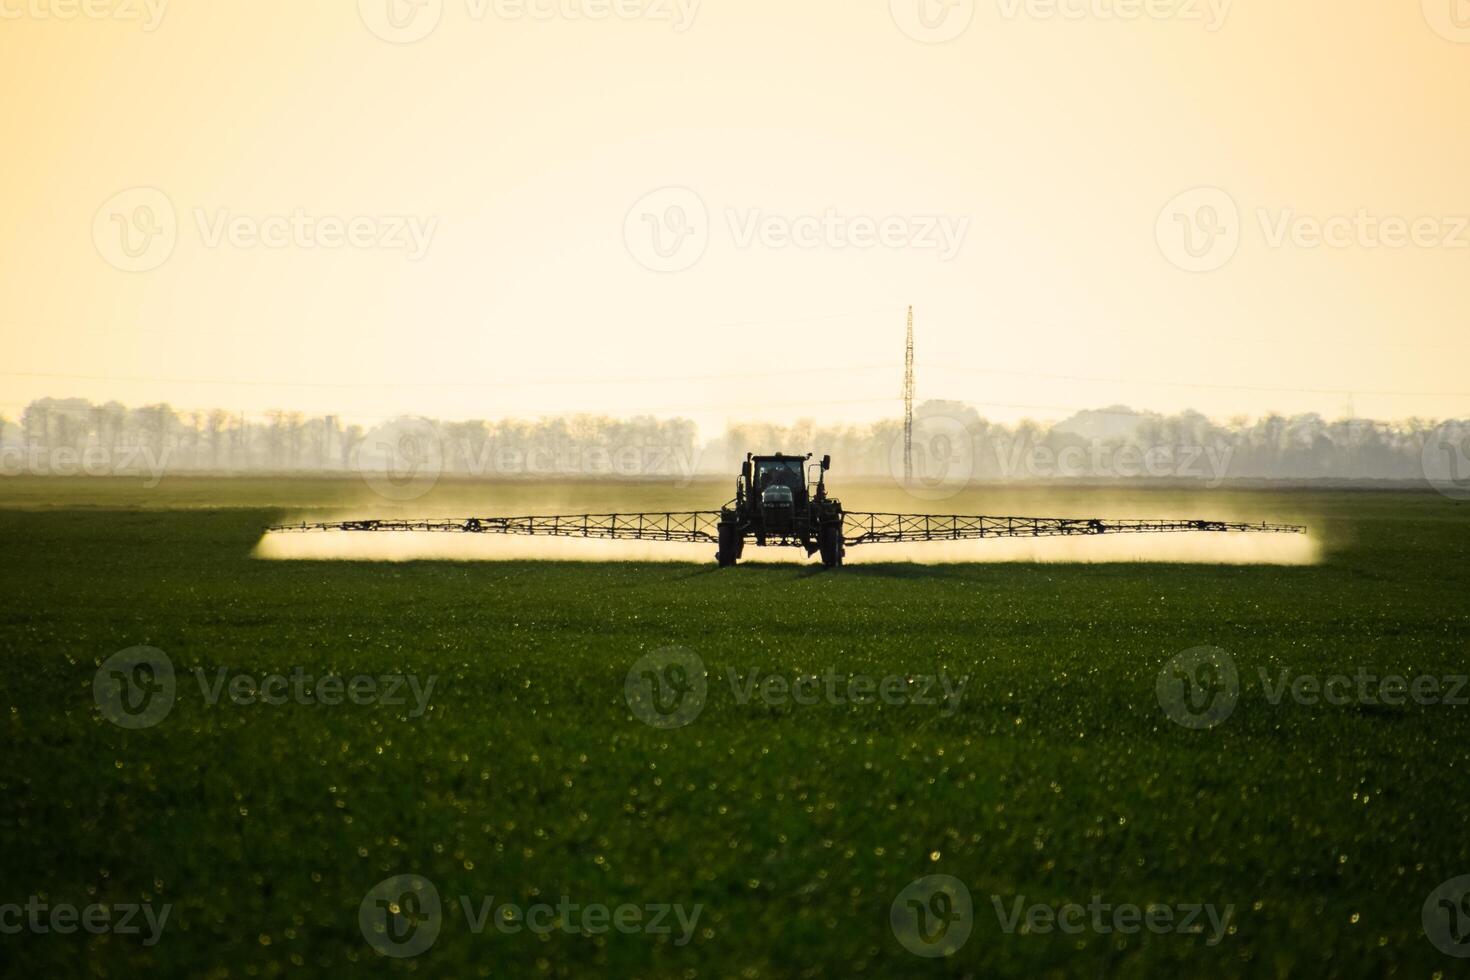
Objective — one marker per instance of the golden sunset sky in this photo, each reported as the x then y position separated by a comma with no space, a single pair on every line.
721,209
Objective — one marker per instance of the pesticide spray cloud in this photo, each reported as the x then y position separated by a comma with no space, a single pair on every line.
1191,548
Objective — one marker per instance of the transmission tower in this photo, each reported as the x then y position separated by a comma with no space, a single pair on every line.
908,404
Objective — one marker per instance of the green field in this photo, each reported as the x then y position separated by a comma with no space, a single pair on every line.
1058,775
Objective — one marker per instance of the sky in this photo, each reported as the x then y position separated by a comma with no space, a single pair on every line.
721,209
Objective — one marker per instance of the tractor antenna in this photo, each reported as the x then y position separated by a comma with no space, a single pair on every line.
908,405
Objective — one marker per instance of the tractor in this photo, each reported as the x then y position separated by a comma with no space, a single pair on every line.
777,502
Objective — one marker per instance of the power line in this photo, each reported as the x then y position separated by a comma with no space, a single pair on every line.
578,382
1202,384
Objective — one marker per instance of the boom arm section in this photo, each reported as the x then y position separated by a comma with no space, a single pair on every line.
698,526
862,528
858,528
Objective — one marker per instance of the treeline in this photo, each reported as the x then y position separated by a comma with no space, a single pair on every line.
61,436
952,443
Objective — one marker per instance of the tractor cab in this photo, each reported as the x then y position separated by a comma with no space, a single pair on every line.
779,471
780,487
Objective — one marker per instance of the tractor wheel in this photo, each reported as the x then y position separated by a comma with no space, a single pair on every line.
830,540
730,546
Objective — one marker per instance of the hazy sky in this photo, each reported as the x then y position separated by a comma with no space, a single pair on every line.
720,209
